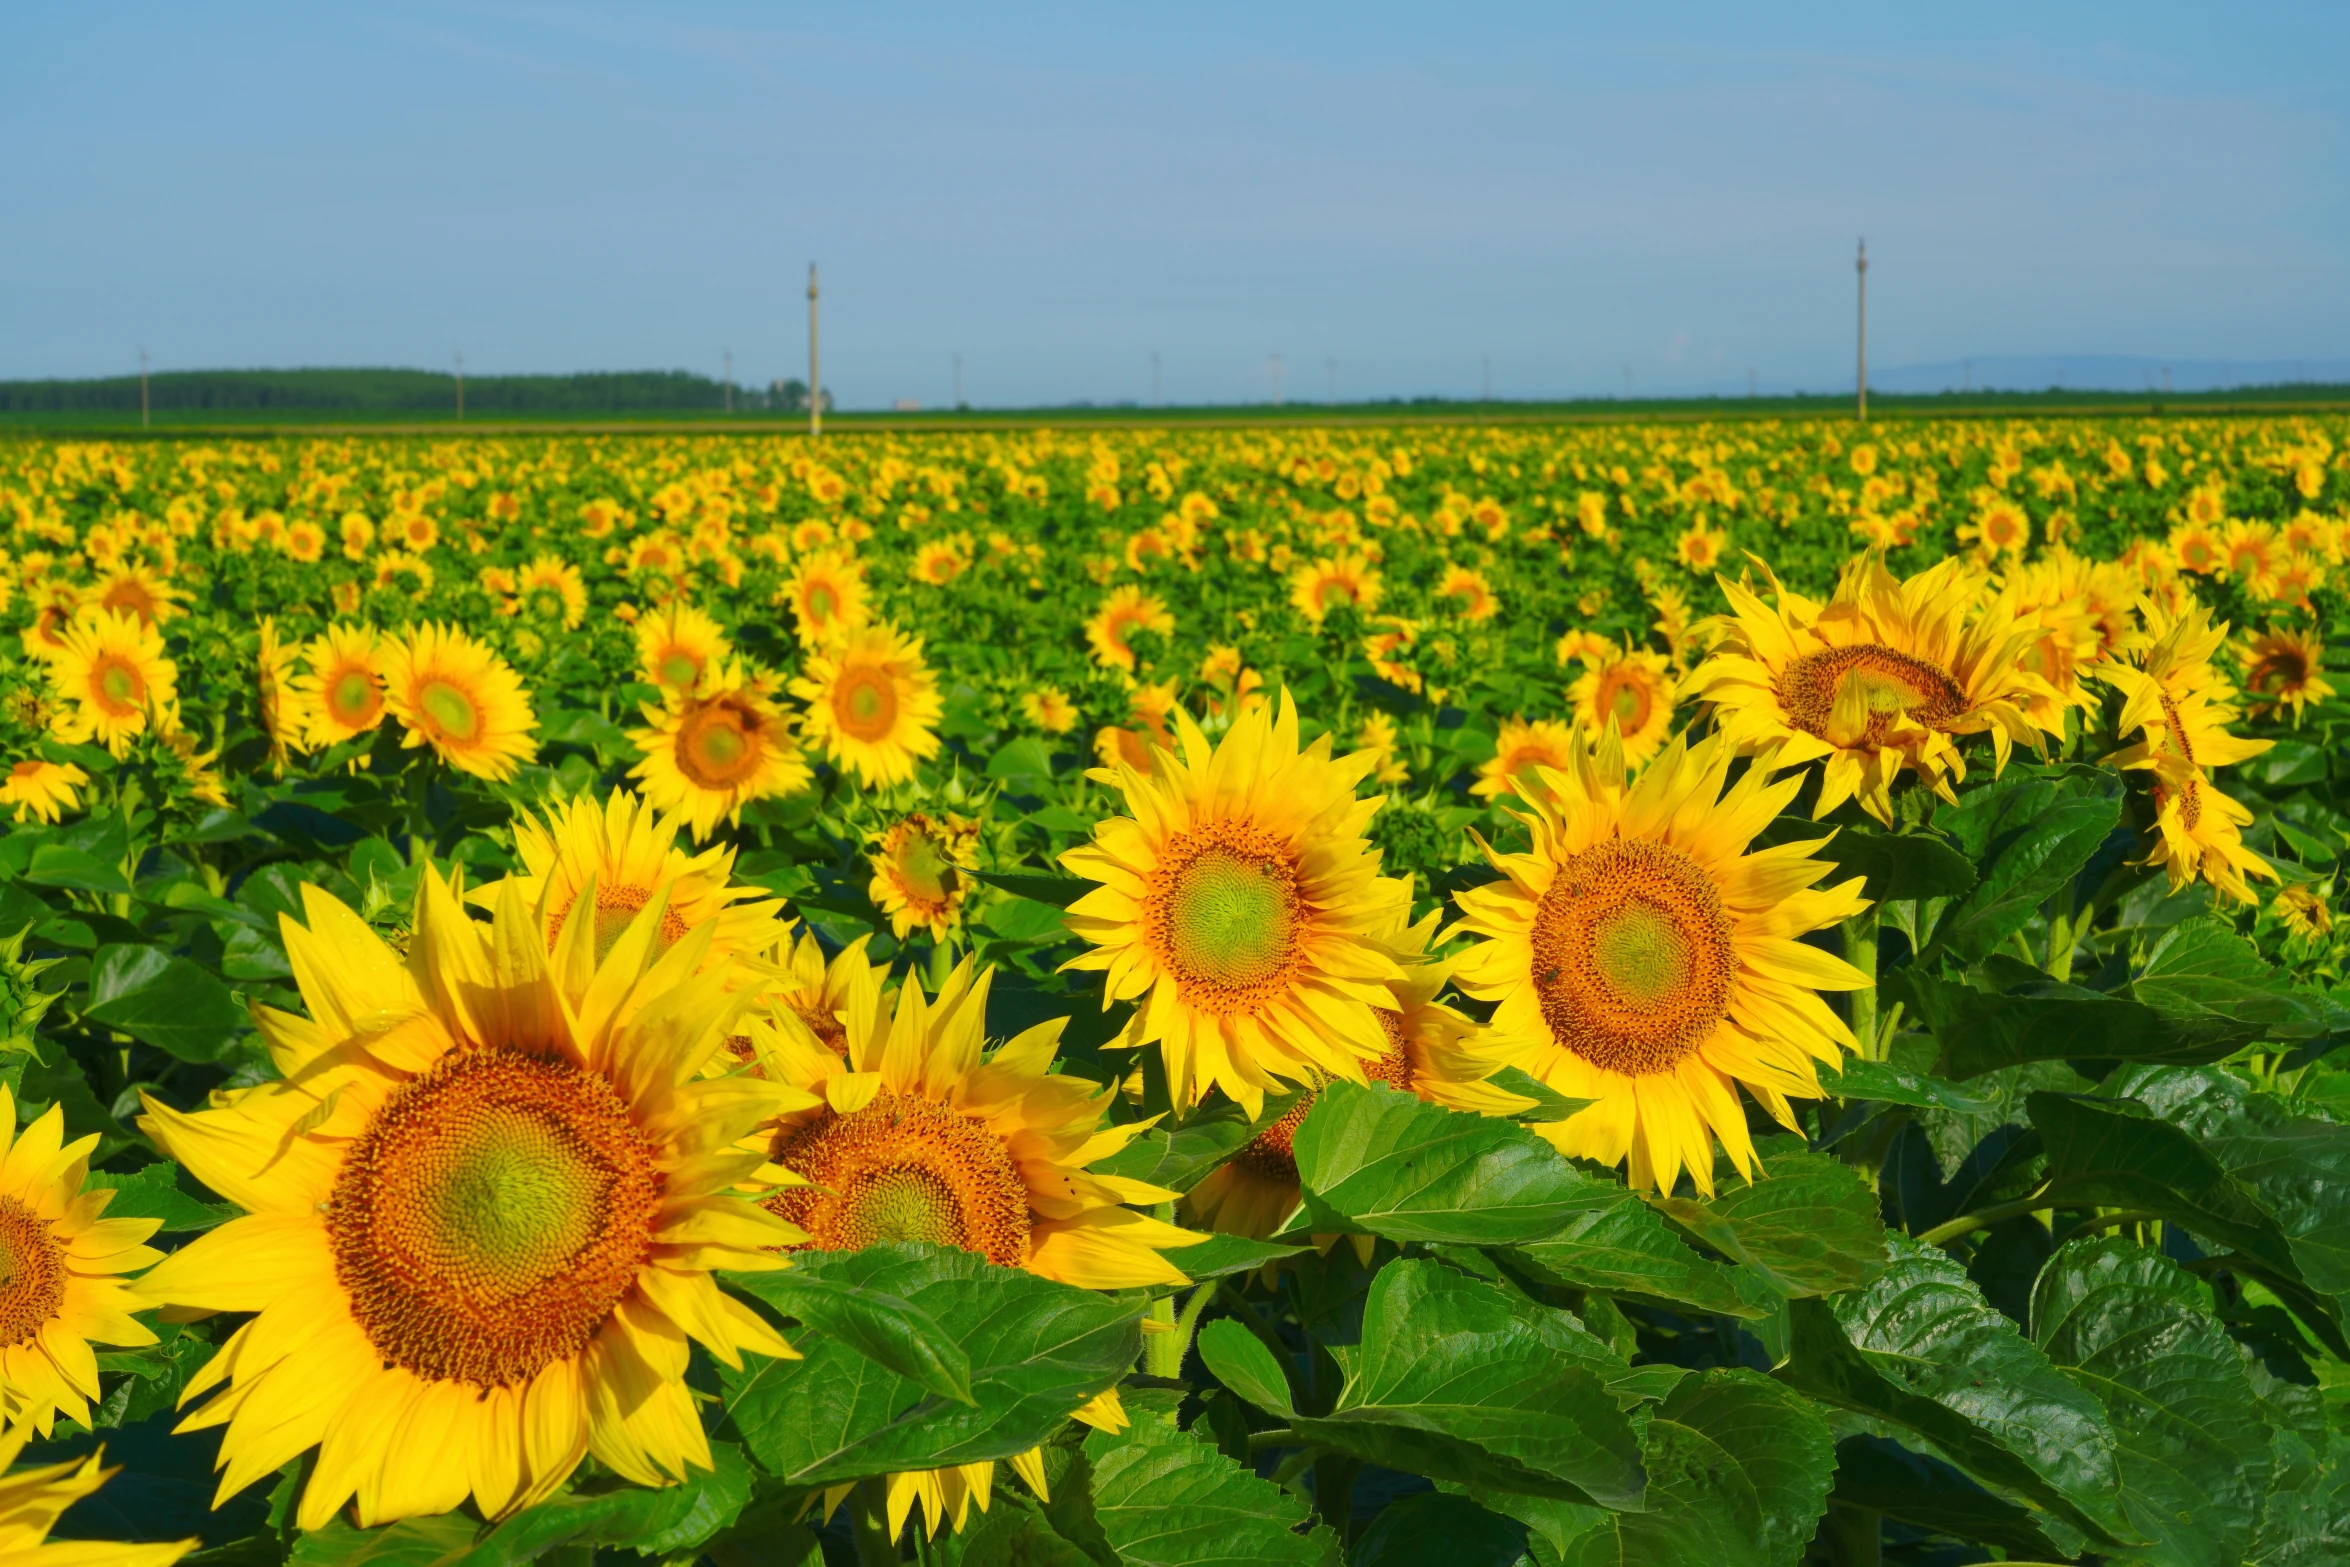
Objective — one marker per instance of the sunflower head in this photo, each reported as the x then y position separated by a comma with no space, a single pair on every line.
826,593
710,752
605,862
1242,908
872,704
1883,679
1643,960
483,1207
1630,688
677,645
341,692
921,872
110,667
923,1135
453,694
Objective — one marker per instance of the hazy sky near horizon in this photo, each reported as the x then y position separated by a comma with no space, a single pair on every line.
1057,191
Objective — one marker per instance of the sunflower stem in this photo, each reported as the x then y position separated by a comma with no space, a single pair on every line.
869,1525
1860,950
1985,1218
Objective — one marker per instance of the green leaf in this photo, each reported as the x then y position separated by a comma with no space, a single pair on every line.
1436,1527
1013,1532
1913,865
1024,920
439,1541
1549,1104
1455,1381
1219,1255
1038,1351
1808,1227
2131,1327
164,1001
1022,761
891,1332
159,1191
2041,1019
656,1522
1921,1349
2109,1152
2209,981
1888,1084
1373,1160
1180,1157
55,865
1058,891
1876,1475
2029,833
1738,1473
1626,1249
2298,1167
1165,1499
1242,1363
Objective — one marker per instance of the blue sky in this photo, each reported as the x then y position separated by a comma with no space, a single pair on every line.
1056,192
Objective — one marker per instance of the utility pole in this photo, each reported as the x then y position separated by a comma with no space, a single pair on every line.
730,383
1157,401
958,356
461,383
1750,381
1970,375
142,387
1861,378
815,366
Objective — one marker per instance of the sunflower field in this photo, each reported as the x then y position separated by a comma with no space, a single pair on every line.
1654,993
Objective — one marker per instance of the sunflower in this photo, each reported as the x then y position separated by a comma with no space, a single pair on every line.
2249,553
1126,611
938,562
32,1500
1242,909
61,1289
1884,677
921,873
277,705
677,644
1700,547
799,980
2179,705
1321,586
455,695
2195,547
618,853
551,588
1432,1051
341,694
1049,709
827,596
1377,735
2303,911
713,751
872,704
1520,753
1478,601
111,667
2198,834
481,1212
1631,688
1641,959
44,789
2281,671
2080,614
922,1137
2000,528
136,590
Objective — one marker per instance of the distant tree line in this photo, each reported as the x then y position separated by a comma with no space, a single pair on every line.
393,392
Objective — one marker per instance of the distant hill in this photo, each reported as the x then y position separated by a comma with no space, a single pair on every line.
347,394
